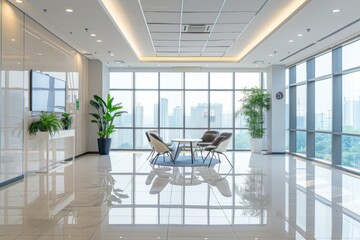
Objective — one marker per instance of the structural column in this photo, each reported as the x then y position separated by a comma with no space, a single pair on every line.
99,85
276,115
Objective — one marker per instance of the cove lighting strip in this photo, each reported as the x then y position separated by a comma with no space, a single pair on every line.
119,17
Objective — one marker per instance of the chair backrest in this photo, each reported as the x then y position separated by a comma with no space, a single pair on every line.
209,136
158,144
224,142
147,133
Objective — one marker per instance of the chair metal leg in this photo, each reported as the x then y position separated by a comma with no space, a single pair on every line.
212,155
227,159
172,159
155,158
219,157
206,156
150,155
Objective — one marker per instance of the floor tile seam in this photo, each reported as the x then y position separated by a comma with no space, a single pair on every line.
168,225
231,225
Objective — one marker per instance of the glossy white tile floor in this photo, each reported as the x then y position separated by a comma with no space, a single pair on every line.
122,197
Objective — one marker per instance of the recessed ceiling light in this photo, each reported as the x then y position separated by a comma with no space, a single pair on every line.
98,40
19,1
300,35
69,10
93,35
335,10
84,51
291,41
270,55
39,53
13,39
111,54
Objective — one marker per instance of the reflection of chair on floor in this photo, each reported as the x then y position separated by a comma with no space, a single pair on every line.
161,180
219,146
160,147
213,178
207,138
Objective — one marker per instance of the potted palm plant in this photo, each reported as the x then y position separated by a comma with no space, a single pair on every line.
254,105
106,112
46,122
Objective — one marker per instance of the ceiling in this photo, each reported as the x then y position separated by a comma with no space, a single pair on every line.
197,33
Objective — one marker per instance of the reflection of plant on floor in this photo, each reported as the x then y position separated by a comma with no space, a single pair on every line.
252,195
113,195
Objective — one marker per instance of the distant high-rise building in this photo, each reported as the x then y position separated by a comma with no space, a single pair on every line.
177,119
199,116
164,112
216,115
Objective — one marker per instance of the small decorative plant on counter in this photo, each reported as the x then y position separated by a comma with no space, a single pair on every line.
46,122
66,121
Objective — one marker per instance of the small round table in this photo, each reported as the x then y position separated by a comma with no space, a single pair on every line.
185,141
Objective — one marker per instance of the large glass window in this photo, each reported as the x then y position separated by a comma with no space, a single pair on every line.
180,105
323,146
351,102
323,105
350,55
171,109
327,106
351,151
247,80
221,114
301,72
146,109
323,65
221,80
121,80
196,80
301,142
146,80
197,109
301,107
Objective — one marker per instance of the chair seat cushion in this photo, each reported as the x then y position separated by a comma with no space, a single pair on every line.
204,144
209,148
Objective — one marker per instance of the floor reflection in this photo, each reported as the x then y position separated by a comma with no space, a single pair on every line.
123,196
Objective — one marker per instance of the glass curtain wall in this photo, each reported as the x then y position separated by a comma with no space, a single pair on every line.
323,101
180,104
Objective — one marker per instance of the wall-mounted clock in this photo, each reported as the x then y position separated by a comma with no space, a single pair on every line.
279,95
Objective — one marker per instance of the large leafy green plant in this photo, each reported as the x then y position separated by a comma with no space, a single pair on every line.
254,105
106,113
46,122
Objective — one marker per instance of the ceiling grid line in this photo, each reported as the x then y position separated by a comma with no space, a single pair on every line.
180,26
147,26
247,25
212,29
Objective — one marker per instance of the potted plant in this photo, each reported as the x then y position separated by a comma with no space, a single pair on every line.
254,105
46,122
106,112
66,120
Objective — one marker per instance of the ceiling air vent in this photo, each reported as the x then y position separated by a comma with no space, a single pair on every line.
118,61
197,28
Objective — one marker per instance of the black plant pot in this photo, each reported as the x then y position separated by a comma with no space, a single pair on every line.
104,145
